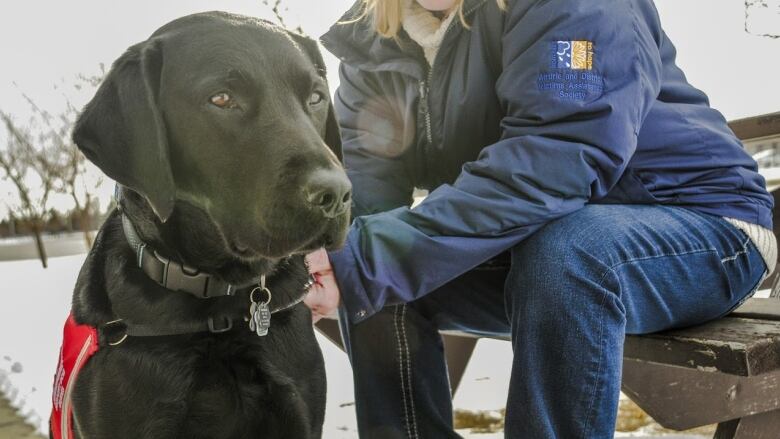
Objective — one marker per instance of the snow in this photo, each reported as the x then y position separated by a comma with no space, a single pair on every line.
35,305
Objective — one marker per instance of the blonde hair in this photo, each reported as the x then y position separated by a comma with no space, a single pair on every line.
387,15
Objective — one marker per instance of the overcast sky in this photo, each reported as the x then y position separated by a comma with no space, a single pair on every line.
43,43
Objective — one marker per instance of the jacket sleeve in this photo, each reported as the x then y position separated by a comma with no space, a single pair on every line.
579,77
374,142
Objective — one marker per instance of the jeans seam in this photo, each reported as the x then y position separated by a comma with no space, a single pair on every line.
401,371
409,370
596,384
737,254
611,269
665,255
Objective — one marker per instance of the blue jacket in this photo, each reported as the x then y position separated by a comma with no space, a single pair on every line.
525,117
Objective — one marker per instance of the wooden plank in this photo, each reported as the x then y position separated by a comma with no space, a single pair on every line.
733,345
763,426
458,351
330,329
472,335
756,127
681,398
765,309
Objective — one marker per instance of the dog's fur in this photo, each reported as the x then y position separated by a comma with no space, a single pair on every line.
218,189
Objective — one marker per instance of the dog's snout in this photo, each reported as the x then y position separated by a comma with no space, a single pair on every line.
330,191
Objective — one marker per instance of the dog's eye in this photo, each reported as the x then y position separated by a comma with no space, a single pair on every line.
316,98
223,100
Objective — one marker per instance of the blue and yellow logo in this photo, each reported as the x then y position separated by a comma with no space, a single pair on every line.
573,55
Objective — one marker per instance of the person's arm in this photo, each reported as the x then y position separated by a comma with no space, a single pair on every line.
557,152
376,136
375,141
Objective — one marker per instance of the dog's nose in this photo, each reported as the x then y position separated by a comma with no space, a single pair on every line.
329,190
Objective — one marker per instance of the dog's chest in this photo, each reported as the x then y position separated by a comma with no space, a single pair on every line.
239,393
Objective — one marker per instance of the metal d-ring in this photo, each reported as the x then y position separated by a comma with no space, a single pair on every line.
262,289
121,340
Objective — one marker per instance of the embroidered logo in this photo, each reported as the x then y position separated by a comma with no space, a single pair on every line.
573,55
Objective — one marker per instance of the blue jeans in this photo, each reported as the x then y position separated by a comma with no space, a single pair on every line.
568,297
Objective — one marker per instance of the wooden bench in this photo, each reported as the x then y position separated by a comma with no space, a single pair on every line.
725,372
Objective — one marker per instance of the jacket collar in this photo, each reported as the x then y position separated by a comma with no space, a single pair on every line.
354,42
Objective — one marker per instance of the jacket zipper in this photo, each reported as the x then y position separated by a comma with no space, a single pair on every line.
425,86
65,423
425,91
425,109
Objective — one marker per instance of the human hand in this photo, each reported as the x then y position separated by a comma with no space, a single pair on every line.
324,296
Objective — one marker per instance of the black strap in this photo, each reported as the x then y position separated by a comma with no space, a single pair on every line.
115,333
174,275
212,325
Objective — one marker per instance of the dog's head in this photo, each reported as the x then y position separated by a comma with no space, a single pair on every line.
222,128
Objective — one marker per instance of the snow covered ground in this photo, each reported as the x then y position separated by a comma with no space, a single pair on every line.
23,247
35,303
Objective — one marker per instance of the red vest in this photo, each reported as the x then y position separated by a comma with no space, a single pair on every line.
79,343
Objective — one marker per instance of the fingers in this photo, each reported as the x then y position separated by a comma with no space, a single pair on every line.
317,314
322,303
323,297
318,261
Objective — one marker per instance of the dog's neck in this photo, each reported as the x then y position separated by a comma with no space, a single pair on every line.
140,294
190,236
137,305
177,276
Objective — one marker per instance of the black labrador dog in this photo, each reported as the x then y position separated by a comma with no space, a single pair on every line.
221,136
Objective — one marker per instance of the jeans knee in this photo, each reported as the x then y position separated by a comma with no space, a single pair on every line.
566,263
592,237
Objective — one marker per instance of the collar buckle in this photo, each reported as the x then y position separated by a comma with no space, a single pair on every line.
171,274
228,325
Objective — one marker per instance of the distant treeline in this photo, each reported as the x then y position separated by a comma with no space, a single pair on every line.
57,222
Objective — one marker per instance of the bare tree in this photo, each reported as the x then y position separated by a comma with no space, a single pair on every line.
74,175
27,164
78,178
277,8
762,18
73,179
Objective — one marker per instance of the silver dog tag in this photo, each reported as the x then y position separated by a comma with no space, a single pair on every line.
259,313
261,318
252,310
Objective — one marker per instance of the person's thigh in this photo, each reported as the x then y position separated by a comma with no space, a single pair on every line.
579,284
666,266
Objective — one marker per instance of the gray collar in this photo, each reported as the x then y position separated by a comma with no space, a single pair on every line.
176,276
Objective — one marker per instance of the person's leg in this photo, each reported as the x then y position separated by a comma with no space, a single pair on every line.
581,283
401,385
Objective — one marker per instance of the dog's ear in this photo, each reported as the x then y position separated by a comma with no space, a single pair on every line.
312,50
121,130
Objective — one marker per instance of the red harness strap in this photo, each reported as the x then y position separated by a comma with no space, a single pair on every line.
79,343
